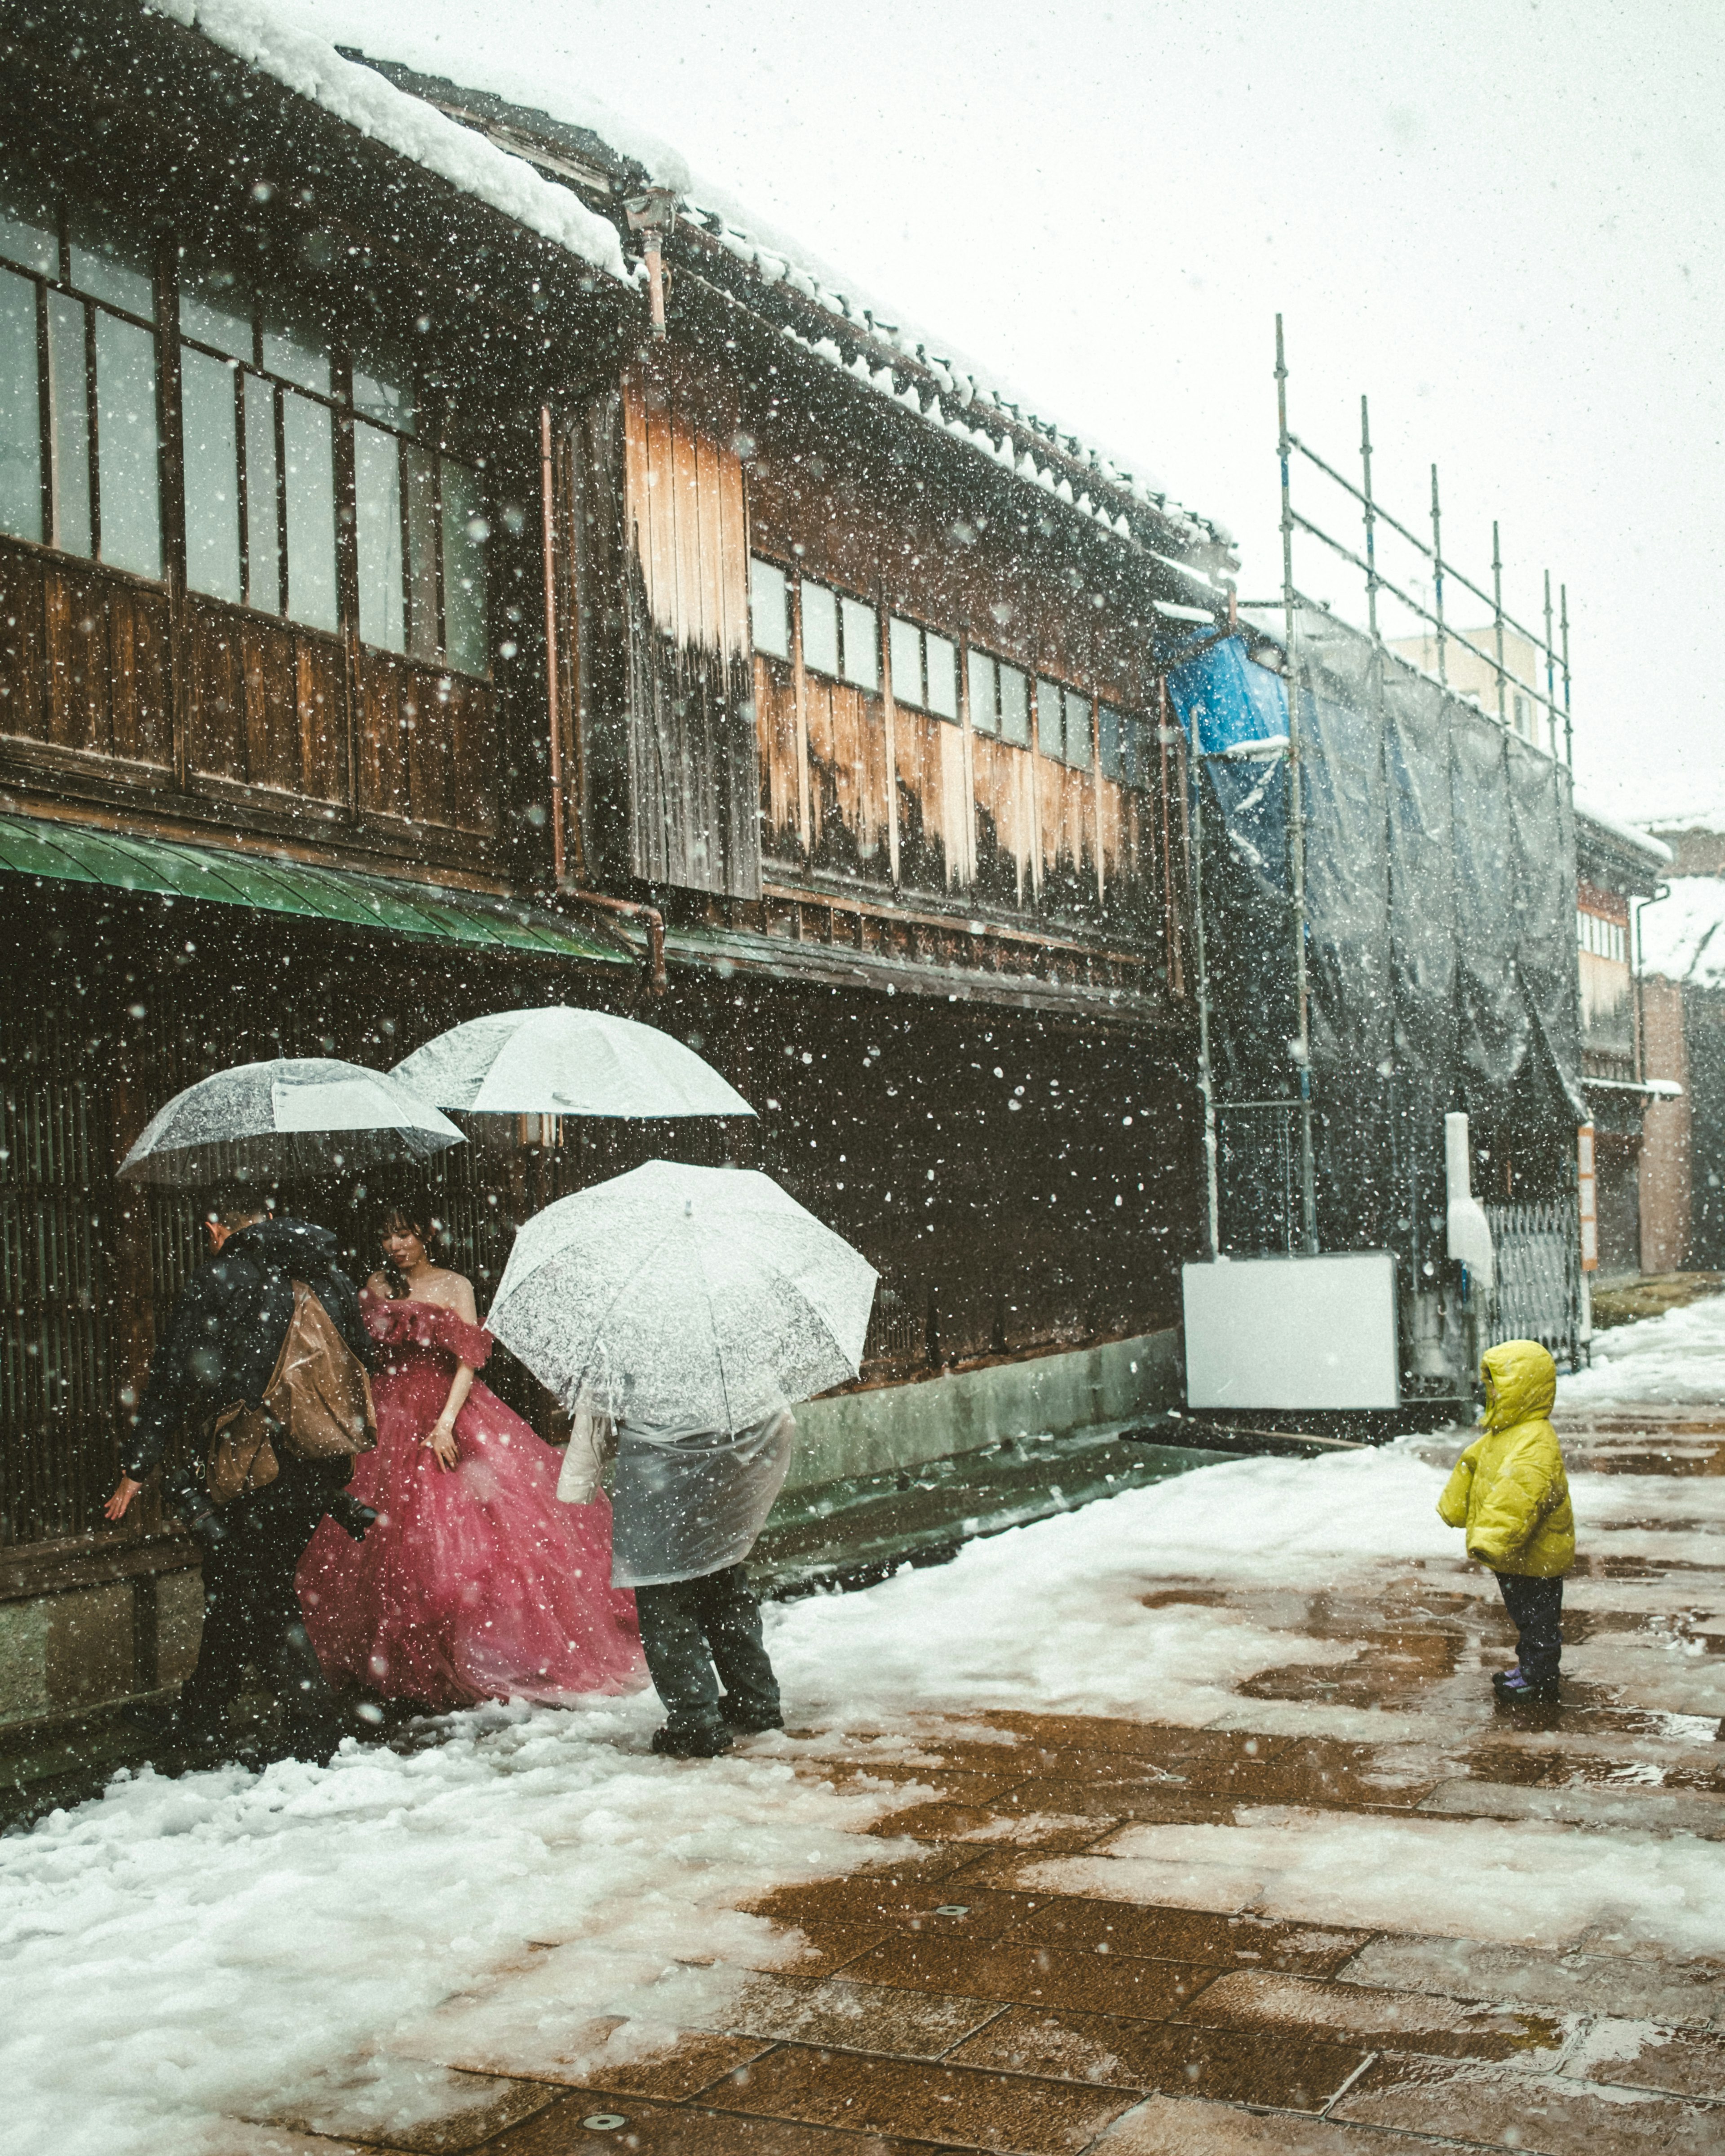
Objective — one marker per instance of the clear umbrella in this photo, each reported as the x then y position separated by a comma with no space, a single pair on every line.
694,1298
298,1116
559,1061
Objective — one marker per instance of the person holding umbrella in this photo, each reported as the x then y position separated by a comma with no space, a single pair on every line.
267,1358
224,1350
677,1311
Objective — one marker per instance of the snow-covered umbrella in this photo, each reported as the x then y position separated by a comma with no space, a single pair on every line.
559,1061
300,1115
693,1296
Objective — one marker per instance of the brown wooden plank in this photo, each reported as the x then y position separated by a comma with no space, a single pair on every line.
425,714
272,706
142,723
474,805
323,719
23,707
775,737
215,732
77,623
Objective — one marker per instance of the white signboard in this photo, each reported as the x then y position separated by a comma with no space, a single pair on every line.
1292,1332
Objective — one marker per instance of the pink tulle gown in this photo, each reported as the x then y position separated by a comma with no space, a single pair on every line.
473,1583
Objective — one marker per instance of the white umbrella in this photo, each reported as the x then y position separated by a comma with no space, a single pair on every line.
700,1297
300,1115
564,1062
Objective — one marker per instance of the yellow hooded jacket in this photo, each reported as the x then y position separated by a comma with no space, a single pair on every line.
1509,1489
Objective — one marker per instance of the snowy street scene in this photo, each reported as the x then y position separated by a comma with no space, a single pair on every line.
862,1098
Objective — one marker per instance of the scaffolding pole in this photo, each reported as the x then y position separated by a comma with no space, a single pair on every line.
1296,812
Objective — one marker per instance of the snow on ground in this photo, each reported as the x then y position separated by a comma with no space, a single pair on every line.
186,1951
1677,1357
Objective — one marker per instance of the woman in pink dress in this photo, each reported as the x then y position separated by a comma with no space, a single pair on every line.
473,1583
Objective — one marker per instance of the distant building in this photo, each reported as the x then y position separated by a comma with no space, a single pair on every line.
1682,963
1618,870
1470,675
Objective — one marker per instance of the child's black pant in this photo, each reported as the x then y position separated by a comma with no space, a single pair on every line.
1536,1609
697,1633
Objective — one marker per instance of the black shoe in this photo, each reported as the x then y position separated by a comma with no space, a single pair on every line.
1515,1688
691,1740
748,1721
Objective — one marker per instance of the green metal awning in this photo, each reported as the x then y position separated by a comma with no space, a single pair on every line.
73,853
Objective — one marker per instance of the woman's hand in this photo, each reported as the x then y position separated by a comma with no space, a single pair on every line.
117,1505
440,1442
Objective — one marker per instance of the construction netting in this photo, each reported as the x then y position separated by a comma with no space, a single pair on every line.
1439,855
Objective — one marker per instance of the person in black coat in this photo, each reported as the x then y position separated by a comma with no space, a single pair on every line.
221,1346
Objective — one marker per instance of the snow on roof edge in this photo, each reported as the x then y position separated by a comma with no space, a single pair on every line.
307,63
1643,842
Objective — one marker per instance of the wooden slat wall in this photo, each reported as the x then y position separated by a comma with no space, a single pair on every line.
1005,827
85,673
848,799
692,769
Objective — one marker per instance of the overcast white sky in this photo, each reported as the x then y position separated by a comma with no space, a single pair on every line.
1502,219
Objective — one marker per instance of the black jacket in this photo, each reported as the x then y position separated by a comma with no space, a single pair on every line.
226,1332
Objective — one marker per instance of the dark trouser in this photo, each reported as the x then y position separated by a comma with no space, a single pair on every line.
693,1628
1536,1609
251,1612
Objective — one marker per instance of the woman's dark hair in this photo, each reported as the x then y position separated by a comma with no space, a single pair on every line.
394,1221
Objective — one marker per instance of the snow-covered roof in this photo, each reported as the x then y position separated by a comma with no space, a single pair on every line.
268,36
1683,936
1627,834
402,79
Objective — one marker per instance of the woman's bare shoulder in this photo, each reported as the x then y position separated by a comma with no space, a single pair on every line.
453,1291
378,1286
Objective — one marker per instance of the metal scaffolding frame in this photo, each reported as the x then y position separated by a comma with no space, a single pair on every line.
1289,445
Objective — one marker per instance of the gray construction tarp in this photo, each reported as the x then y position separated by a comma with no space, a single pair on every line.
1440,884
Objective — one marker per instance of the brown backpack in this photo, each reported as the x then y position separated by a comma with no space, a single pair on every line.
317,1406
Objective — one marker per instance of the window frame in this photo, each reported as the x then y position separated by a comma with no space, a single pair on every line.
841,596
997,667
787,582
923,701
61,285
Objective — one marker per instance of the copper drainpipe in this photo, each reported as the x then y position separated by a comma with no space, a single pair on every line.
561,882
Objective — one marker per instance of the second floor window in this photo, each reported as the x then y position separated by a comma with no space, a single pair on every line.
840,636
1063,730
925,669
770,608
999,699
78,346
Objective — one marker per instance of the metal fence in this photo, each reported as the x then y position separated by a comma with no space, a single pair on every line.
1538,1292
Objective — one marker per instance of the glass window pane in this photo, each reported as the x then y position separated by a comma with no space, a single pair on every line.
212,439
376,500
862,644
1014,706
263,534
905,649
467,640
295,348
1078,743
983,718
110,260
1108,726
216,308
422,552
309,444
820,627
942,655
69,387
128,446
1051,718
20,411
769,607
28,232
383,389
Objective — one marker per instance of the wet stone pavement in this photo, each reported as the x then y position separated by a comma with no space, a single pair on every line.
1085,1934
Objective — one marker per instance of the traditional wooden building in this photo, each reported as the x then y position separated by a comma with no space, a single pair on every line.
443,567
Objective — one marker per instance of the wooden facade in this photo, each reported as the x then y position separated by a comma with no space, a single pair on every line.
919,850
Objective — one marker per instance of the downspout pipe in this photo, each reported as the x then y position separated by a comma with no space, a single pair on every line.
1470,1232
629,909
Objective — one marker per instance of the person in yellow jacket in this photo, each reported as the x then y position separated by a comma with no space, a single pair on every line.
1510,1491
